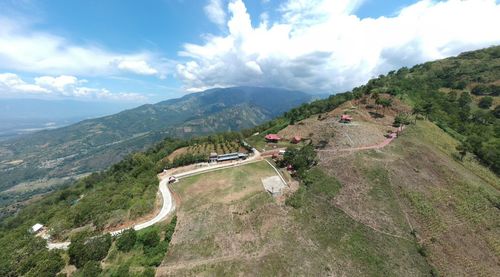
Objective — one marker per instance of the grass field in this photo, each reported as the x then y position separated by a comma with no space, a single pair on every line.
229,226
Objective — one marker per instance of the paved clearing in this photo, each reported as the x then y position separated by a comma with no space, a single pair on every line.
274,185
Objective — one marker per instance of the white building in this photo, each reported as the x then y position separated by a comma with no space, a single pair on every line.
36,228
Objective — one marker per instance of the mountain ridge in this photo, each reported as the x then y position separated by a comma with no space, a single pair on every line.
94,144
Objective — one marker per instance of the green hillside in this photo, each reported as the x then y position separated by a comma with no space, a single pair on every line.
91,145
425,204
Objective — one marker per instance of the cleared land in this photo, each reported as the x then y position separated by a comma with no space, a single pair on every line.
415,183
228,225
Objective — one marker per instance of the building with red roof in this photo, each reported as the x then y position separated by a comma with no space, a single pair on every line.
345,118
272,138
296,139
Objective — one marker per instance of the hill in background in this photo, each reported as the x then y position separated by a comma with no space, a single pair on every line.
25,116
94,144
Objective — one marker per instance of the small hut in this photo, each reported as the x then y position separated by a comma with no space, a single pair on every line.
345,118
296,139
272,138
36,228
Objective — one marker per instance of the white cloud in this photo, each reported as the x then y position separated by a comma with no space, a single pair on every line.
137,66
62,86
215,12
23,49
59,84
320,45
10,82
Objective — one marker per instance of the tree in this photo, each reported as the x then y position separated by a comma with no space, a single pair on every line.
126,241
485,102
149,238
122,271
401,119
464,100
490,152
496,111
386,102
82,250
418,110
462,149
91,269
300,160
427,108
148,272
48,263
480,89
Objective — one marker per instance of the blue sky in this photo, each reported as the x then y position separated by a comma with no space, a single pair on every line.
148,51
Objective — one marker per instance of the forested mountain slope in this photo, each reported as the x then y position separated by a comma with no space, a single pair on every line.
460,94
97,143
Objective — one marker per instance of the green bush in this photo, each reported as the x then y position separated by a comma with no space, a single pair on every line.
149,238
297,199
83,250
90,269
154,255
126,241
485,102
121,271
170,229
300,159
148,272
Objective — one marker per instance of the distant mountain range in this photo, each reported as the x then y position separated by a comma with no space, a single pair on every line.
24,116
94,144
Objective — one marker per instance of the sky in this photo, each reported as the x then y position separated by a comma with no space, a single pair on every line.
152,50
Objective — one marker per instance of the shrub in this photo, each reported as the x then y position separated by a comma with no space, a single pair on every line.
83,250
301,160
485,102
496,111
121,271
126,240
149,238
148,272
170,229
422,250
91,269
297,199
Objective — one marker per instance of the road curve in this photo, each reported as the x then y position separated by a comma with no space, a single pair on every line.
167,207
168,204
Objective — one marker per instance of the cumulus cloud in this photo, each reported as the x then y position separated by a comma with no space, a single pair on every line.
10,82
322,46
23,49
61,86
215,12
138,66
